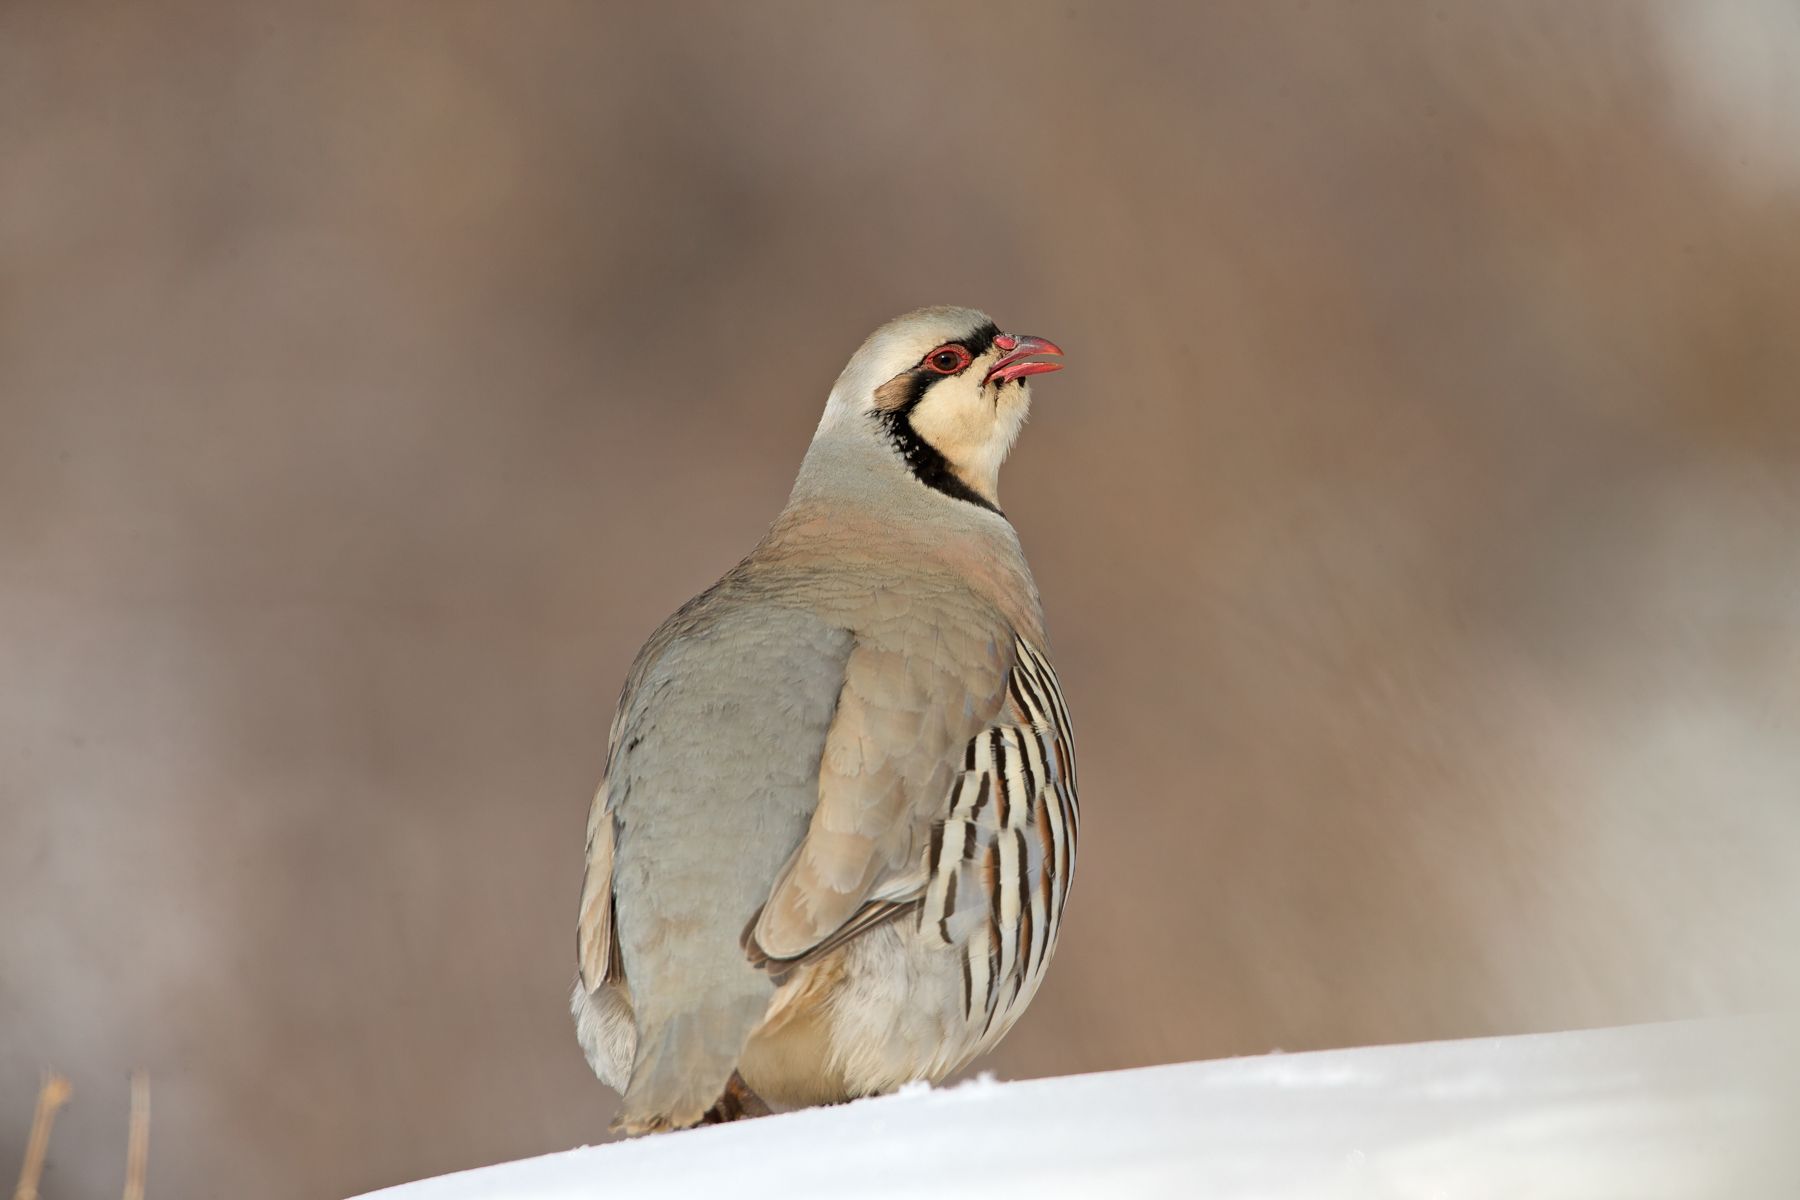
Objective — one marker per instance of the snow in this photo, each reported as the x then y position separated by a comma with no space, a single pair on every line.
1699,1109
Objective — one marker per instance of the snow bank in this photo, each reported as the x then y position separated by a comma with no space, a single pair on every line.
1701,1109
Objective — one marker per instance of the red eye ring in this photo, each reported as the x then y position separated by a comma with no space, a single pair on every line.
948,359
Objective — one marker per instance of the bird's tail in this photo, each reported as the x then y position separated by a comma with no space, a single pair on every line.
683,1063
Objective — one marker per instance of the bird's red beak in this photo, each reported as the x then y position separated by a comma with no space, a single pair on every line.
1018,348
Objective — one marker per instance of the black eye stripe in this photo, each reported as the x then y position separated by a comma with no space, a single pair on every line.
978,343
982,340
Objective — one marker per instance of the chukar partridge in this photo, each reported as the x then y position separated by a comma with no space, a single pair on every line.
831,849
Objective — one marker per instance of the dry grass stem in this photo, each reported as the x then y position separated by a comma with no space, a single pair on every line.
137,1147
53,1093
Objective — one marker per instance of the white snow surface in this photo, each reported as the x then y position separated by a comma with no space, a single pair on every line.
1701,1109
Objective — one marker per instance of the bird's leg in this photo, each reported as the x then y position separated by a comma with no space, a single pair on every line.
737,1103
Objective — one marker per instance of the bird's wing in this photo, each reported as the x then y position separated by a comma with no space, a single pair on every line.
946,791
711,781
712,755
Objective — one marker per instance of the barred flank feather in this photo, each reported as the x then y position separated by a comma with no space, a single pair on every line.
1000,860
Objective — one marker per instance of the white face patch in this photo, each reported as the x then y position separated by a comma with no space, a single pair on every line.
972,426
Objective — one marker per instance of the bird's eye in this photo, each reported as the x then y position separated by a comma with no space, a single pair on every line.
948,359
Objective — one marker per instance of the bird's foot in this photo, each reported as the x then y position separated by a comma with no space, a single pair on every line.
737,1103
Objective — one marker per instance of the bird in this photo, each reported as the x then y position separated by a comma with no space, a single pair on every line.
835,831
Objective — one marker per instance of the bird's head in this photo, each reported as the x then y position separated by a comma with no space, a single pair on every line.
944,392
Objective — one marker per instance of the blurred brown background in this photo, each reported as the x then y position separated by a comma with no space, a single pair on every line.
1418,520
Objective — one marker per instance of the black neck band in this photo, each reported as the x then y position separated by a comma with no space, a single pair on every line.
927,465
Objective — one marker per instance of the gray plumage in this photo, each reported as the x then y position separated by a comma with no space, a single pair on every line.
831,848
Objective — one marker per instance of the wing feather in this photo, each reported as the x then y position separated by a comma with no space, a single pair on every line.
970,833
902,722
597,951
